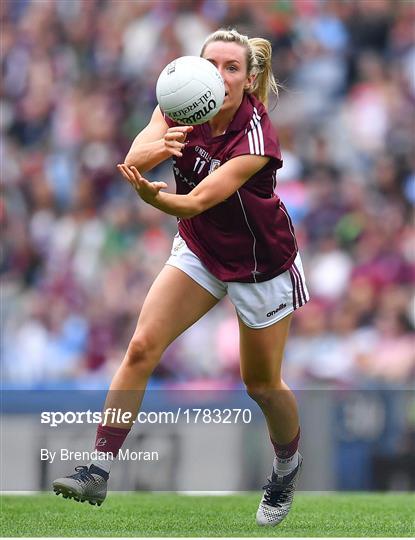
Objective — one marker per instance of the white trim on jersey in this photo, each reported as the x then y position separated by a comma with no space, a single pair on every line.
255,135
251,144
274,183
289,226
254,272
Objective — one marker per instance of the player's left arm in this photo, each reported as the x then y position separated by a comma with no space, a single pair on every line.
212,190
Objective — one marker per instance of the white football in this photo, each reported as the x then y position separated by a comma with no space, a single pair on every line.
190,90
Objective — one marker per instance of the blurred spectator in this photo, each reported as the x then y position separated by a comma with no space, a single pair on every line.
80,251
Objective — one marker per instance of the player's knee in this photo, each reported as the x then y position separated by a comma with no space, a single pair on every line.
142,354
262,393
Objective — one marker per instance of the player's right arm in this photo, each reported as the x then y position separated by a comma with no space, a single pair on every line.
156,143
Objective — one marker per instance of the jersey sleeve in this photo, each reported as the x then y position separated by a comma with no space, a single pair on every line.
259,139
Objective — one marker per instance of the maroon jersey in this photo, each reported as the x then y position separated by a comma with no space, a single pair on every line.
249,237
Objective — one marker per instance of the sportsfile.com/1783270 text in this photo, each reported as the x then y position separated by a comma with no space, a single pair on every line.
181,415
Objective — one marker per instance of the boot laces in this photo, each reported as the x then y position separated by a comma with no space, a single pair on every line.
276,494
82,475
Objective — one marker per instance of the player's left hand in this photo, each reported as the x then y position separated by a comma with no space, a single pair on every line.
148,191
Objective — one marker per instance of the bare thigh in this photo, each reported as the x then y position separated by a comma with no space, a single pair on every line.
174,302
262,352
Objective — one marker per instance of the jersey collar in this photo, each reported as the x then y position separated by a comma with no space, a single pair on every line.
241,118
243,115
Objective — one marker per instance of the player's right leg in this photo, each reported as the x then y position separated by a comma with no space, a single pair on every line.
173,304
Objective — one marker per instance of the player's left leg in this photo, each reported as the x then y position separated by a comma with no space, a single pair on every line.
261,351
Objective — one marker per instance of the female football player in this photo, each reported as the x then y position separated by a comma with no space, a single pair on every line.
235,237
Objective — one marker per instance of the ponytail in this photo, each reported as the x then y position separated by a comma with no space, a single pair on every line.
264,81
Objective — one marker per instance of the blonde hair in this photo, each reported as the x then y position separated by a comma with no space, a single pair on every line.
258,60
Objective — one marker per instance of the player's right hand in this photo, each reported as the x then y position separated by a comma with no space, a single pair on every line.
175,139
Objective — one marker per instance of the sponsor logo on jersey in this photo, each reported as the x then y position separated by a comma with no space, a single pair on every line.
203,153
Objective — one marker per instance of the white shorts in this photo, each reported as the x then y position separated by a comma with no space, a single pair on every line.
257,304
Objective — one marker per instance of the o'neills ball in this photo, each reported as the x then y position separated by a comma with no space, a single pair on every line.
190,90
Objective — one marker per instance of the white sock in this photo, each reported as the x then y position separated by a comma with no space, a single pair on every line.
285,466
104,464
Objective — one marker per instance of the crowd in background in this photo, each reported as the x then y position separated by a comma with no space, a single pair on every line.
80,250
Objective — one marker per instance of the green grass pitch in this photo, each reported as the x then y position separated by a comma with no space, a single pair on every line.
171,515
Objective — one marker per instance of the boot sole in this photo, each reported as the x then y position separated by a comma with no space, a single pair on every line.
69,493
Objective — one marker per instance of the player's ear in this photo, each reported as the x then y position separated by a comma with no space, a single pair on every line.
249,82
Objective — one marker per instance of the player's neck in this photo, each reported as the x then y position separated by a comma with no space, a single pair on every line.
219,129
219,123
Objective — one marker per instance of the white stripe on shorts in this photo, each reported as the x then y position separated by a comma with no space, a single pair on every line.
302,289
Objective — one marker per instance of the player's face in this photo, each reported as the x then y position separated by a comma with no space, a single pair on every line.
230,60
